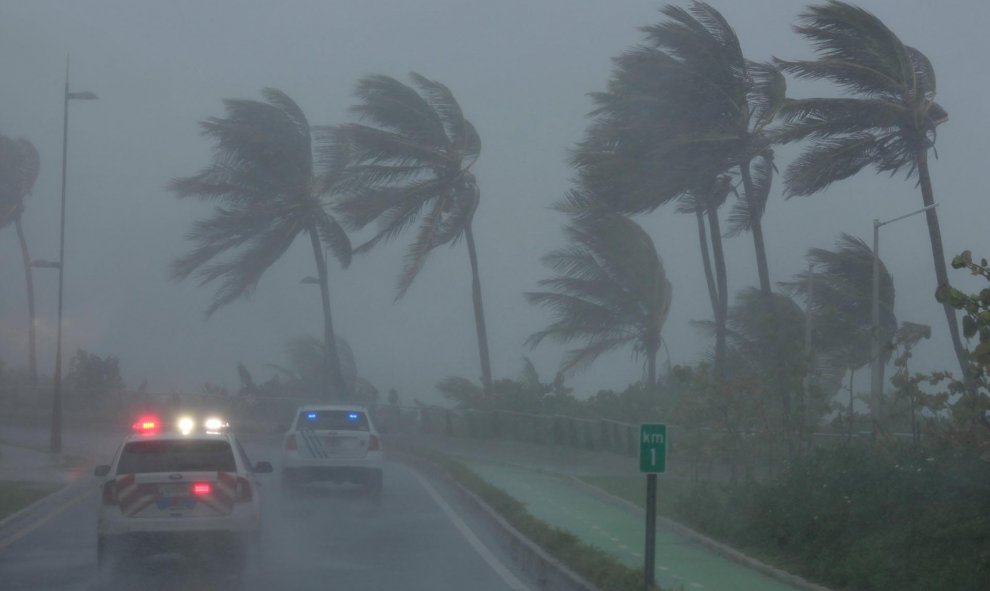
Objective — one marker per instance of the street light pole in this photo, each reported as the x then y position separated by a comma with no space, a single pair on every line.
876,365
55,442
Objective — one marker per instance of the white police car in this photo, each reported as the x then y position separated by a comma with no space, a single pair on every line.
191,490
336,443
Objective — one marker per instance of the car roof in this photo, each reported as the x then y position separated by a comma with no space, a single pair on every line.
175,435
317,407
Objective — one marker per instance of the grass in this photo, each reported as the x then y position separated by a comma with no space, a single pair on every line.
633,489
15,495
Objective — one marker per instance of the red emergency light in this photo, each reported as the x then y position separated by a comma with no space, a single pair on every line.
146,425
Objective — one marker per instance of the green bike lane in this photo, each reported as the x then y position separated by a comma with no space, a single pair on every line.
680,563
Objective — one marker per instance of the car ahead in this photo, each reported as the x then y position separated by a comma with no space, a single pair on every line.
335,443
188,491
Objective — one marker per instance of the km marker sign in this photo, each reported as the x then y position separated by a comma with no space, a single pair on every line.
653,448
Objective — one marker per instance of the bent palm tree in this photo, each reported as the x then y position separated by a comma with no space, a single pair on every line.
841,301
266,193
888,123
412,162
610,291
19,164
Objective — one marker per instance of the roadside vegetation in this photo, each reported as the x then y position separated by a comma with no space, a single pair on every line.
15,495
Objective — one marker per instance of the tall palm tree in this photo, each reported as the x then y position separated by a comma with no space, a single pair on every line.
610,290
410,160
888,119
682,109
266,194
19,165
841,303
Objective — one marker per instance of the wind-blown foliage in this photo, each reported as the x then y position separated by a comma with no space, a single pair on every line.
682,109
409,161
265,194
609,290
887,118
841,287
19,166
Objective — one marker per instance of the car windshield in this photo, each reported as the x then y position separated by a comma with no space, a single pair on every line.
176,455
333,420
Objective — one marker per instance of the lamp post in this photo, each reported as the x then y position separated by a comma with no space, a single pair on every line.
56,428
876,365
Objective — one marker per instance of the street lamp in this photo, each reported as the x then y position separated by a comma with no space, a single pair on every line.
56,430
876,365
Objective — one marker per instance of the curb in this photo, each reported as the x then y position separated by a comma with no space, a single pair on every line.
539,566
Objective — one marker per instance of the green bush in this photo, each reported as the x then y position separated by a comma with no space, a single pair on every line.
862,519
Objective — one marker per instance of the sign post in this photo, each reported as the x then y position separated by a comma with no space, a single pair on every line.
652,461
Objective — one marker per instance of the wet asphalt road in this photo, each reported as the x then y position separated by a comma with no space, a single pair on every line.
323,537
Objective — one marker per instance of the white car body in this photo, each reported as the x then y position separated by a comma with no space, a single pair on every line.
332,442
169,491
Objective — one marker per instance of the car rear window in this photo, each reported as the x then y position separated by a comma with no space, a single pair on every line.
176,456
333,420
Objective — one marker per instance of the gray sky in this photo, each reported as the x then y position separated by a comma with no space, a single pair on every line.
521,71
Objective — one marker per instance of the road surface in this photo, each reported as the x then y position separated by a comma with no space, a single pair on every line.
325,537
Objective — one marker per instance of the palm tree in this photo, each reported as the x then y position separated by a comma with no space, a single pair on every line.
266,193
681,110
610,290
19,164
840,302
888,122
412,162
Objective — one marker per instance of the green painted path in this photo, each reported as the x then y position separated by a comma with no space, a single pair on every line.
681,563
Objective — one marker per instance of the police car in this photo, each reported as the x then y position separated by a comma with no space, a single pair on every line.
188,490
336,443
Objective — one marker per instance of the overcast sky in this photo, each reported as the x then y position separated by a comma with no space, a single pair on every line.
521,70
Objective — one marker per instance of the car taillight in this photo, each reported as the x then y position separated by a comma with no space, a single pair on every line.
110,492
373,443
202,488
290,443
243,493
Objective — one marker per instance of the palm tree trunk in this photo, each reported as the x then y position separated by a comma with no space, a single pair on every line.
756,221
479,312
333,377
722,313
29,280
651,366
762,268
852,399
706,260
941,272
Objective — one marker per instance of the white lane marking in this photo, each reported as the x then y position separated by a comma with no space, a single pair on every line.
510,579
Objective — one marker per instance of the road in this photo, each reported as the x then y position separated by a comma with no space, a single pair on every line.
325,537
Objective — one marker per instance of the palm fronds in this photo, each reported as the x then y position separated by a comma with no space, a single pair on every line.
609,290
